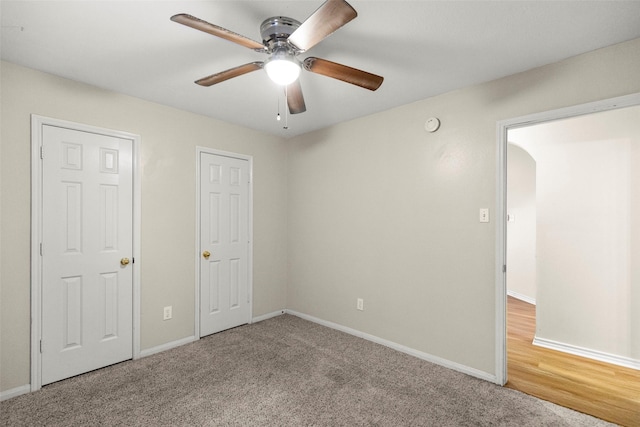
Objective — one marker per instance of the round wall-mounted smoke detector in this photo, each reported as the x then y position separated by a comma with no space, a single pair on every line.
432,124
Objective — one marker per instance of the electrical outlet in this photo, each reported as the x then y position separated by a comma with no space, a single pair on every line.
360,304
168,313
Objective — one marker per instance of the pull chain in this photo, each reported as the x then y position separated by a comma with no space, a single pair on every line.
278,116
286,108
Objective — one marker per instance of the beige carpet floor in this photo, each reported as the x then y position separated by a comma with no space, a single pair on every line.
284,371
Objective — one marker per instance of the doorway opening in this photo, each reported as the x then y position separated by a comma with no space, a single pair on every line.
566,237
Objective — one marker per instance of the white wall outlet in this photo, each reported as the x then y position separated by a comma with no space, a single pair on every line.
360,304
484,214
167,313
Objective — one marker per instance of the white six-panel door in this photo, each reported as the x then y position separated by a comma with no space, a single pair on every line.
87,314
224,242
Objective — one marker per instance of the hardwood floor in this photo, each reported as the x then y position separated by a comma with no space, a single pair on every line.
606,391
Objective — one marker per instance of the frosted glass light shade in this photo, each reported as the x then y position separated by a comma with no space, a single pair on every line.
282,71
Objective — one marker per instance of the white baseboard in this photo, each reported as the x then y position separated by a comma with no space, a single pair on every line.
267,316
401,348
600,356
15,392
167,346
521,297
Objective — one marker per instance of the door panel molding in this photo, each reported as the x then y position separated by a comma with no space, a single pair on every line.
37,124
199,151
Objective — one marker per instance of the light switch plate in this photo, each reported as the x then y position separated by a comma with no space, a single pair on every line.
484,214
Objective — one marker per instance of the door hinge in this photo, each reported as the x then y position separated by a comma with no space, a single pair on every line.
40,346
42,152
504,268
40,249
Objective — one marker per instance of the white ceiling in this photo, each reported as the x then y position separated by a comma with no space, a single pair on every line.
422,48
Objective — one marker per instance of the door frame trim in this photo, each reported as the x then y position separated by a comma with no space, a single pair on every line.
37,122
502,128
200,150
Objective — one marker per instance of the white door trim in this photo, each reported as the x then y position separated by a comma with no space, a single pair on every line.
199,151
503,127
37,122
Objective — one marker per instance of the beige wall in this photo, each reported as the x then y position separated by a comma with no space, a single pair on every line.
588,228
382,210
169,138
521,227
373,208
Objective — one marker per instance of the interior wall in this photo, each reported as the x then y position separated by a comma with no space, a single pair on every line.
373,208
587,226
521,224
384,211
168,162
634,253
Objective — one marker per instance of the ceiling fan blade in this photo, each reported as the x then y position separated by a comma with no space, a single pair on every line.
295,100
229,74
199,24
332,15
344,73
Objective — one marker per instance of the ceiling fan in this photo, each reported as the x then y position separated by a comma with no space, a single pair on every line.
283,39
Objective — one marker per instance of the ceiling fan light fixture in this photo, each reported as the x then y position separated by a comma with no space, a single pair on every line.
282,69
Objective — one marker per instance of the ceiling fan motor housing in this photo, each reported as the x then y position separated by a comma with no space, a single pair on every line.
276,30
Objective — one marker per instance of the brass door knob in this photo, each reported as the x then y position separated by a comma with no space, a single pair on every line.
124,261
206,254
